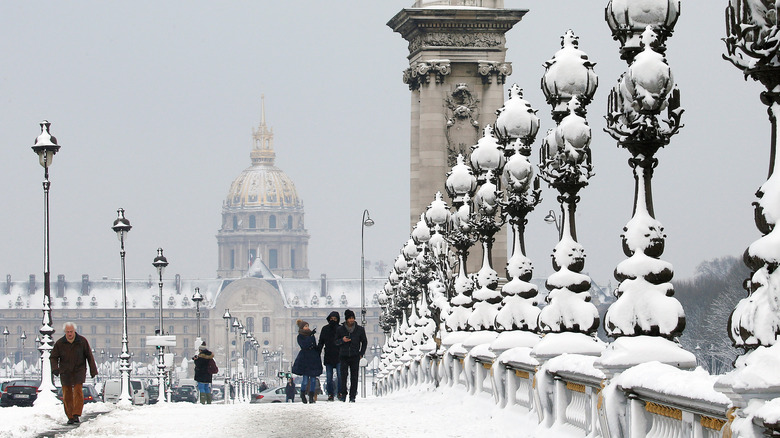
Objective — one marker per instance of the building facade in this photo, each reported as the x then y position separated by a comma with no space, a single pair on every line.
263,217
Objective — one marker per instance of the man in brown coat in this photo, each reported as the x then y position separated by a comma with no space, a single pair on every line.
69,357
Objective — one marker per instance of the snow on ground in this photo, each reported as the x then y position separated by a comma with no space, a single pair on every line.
449,412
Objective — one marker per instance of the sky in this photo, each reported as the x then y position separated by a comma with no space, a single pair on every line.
154,104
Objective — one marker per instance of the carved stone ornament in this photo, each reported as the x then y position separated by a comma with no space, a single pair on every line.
419,73
501,70
462,113
446,39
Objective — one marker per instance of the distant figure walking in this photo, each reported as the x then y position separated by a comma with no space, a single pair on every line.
352,342
69,359
331,356
204,365
308,363
289,390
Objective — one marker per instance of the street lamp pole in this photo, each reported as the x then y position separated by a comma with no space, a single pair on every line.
24,364
226,316
121,227
46,146
5,350
160,262
197,297
367,222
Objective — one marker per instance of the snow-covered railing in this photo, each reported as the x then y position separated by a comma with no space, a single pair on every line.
576,403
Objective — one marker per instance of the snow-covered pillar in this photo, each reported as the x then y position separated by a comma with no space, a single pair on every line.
751,45
645,317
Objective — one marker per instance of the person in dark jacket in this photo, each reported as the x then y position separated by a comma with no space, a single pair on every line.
352,342
69,359
308,363
331,357
289,391
202,374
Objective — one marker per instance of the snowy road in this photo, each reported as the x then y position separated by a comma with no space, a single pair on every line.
413,413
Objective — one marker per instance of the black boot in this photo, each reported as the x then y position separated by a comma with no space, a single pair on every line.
303,397
311,397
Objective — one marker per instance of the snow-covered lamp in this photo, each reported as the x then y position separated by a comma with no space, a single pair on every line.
516,119
569,73
460,181
628,19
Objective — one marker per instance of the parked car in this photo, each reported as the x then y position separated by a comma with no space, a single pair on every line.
276,394
89,391
153,391
217,392
112,389
185,393
20,393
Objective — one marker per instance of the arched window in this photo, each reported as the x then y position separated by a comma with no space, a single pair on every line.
289,222
235,222
272,222
266,324
252,222
250,324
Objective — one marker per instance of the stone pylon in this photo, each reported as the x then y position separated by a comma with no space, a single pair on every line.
456,76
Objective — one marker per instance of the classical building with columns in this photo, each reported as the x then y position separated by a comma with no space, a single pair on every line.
457,69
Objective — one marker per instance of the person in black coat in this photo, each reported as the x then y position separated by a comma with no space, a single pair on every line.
289,391
331,358
202,374
308,363
352,342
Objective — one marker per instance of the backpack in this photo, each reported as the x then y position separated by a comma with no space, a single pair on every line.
212,367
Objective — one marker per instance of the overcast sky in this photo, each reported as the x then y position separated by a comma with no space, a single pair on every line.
154,103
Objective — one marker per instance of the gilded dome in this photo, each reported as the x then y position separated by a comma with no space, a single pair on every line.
263,184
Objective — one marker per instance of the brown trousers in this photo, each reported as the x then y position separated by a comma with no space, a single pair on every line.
73,400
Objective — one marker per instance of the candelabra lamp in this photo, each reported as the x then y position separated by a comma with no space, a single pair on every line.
569,83
516,129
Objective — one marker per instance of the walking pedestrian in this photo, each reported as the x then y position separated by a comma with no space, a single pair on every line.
69,359
308,363
331,356
203,372
352,342
289,390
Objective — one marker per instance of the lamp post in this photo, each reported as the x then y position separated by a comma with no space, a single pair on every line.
226,316
160,262
197,297
121,227
5,350
103,359
367,222
24,365
244,374
552,219
45,147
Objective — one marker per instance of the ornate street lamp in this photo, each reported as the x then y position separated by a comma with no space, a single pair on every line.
552,219
45,147
197,297
226,316
236,371
367,222
5,351
24,364
121,227
569,83
628,19
160,262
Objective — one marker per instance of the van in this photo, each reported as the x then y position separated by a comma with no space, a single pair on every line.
112,389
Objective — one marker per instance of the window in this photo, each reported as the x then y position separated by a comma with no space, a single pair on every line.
272,222
273,259
232,259
108,329
289,222
108,314
143,330
143,315
143,340
235,222
266,324
185,330
252,222
186,341
93,330
292,258
170,329
250,324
